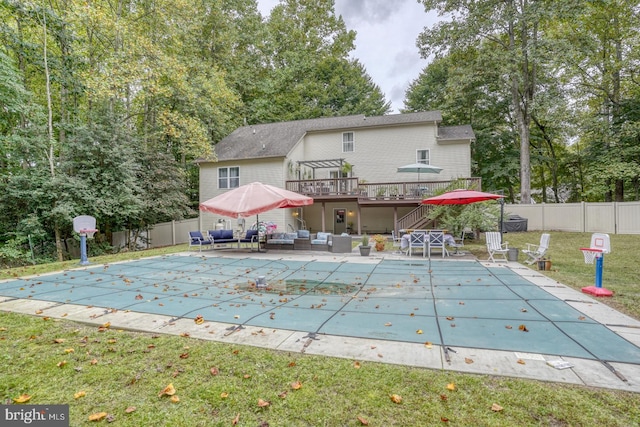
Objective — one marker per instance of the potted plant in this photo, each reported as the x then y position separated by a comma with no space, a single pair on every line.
365,249
381,241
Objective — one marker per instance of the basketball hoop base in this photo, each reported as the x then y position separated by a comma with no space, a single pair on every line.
598,292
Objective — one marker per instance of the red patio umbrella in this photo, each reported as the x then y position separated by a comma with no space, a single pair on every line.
253,199
460,197
465,197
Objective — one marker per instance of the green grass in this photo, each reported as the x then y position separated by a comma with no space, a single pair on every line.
122,369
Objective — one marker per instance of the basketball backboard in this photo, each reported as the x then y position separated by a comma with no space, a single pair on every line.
84,222
601,241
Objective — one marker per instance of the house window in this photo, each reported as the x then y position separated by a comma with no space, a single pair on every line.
229,177
422,156
347,142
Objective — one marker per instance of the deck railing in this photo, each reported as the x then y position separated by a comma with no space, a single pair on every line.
413,190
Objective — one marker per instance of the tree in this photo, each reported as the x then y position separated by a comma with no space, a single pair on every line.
515,33
309,73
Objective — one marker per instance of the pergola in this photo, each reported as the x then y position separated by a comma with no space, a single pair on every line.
321,164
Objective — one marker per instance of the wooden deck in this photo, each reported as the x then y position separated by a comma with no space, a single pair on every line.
404,193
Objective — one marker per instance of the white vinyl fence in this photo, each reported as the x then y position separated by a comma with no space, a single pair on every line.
612,218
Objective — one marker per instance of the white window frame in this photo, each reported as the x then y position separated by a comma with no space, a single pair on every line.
346,143
228,181
423,159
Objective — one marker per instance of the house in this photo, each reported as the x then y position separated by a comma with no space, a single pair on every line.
349,165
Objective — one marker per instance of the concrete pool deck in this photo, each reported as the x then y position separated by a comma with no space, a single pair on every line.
399,343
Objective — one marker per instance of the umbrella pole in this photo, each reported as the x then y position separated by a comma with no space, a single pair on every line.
258,228
501,219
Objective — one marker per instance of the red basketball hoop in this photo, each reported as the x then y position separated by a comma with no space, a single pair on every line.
88,233
590,254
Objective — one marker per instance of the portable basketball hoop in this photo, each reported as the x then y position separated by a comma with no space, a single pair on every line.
599,246
85,226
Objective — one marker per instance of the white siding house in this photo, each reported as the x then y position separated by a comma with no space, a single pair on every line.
307,155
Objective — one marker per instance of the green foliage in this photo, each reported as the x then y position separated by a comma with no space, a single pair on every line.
364,240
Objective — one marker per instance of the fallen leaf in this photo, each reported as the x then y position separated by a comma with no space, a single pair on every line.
524,310
428,344
520,361
509,327
396,398
419,332
283,394
168,390
59,340
236,420
468,360
175,399
185,334
68,350
581,318
139,297
224,395
363,421
79,394
263,403
496,408
130,409
443,397
199,319
94,361
451,386
387,324
356,365
450,317
523,328
97,416
62,363
296,385
444,419
184,356
23,398
214,371
246,376
39,312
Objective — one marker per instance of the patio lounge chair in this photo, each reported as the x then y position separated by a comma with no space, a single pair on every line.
537,252
495,247
197,239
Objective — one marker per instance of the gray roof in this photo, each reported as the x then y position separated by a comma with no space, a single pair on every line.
278,139
451,133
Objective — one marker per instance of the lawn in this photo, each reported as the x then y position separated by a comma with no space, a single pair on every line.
121,375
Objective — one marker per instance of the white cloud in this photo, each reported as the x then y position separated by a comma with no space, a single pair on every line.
386,40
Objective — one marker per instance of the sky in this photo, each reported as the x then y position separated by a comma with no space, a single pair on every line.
385,42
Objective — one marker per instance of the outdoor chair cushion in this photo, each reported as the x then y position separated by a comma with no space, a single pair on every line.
249,236
218,235
321,238
303,234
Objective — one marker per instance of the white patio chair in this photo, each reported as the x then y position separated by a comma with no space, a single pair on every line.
418,240
397,242
436,241
495,247
536,252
